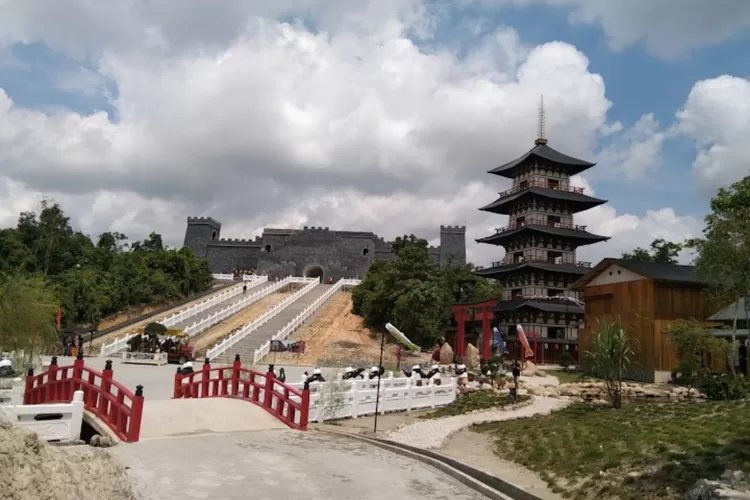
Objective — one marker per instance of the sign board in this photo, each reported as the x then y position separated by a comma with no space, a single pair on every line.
293,346
145,358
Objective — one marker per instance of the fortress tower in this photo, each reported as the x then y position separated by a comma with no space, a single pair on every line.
540,244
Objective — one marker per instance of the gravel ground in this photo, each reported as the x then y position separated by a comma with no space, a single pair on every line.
433,434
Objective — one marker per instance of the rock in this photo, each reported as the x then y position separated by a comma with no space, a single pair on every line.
446,354
96,440
472,357
106,442
731,485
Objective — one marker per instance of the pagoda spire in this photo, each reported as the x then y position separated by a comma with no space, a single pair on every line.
541,139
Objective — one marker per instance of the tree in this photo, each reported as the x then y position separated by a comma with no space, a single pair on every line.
661,252
28,306
723,253
91,279
415,294
610,359
694,341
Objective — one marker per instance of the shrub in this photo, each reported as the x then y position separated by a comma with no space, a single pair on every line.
724,387
566,360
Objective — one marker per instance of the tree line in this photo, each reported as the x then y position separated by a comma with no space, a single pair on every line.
45,264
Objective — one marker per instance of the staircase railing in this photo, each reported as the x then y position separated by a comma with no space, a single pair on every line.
121,343
246,330
301,318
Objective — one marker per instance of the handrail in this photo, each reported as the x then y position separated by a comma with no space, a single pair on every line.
539,222
577,263
300,319
232,309
120,343
246,330
537,183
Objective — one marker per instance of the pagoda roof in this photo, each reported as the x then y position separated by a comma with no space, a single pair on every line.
571,165
578,201
496,271
575,234
551,305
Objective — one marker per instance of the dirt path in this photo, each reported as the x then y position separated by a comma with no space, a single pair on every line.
476,450
336,337
212,336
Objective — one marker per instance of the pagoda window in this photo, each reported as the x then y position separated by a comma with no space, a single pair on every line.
553,184
516,293
554,292
555,257
553,220
523,185
555,332
521,221
518,257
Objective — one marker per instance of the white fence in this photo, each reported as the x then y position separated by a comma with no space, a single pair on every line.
64,424
121,343
300,319
246,330
357,398
230,277
231,310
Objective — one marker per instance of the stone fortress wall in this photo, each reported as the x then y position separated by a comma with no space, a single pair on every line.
310,252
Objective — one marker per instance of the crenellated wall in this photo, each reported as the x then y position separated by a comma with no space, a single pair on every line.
310,251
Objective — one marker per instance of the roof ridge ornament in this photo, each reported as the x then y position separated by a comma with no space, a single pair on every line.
541,125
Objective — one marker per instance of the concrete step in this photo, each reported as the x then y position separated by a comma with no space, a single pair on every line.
247,346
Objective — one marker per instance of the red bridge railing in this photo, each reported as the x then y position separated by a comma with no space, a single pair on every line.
113,403
286,403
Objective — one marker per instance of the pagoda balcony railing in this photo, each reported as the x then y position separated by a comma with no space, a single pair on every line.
579,263
539,222
538,183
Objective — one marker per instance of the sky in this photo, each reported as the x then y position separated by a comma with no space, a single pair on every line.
369,115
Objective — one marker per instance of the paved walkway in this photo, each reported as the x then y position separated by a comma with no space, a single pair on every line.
179,417
280,465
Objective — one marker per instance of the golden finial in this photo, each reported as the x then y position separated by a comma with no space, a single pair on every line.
541,125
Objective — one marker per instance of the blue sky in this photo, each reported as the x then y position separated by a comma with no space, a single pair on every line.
637,82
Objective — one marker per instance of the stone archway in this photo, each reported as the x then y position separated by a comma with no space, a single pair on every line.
314,271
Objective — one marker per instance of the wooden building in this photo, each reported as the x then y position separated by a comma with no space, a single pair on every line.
645,298
540,242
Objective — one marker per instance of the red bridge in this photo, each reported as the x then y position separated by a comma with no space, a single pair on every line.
122,410
111,402
286,403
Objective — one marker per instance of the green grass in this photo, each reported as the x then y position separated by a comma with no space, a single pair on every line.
477,400
637,452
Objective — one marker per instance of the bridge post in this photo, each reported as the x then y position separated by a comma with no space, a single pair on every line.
178,392
268,391
236,366
53,387
136,416
77,377
205,379
28,392
105,388
304,413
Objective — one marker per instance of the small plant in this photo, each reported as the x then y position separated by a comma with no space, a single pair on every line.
610,359
332,398
727,386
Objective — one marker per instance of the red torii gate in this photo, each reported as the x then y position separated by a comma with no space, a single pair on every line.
474,312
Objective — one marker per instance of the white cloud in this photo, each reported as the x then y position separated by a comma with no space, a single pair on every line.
667,28
637,150
272,124
717,117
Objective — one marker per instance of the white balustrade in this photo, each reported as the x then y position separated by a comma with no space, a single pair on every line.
219,316
359,396
121,343
300,319
223,277
246,330
67,427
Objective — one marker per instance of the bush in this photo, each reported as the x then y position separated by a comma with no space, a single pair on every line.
724,387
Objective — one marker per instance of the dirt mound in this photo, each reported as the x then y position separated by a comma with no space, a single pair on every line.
31,469
336,337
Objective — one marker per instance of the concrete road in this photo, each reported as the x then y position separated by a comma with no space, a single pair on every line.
280,465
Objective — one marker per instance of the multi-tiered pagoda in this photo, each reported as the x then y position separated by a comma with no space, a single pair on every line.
540,244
